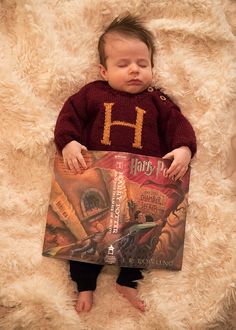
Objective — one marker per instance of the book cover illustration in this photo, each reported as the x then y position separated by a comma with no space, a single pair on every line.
122,210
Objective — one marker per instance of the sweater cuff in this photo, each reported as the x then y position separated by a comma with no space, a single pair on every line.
191,146
61,142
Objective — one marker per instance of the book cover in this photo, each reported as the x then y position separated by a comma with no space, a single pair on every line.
122,210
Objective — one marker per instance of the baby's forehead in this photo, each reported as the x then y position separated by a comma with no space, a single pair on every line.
121,45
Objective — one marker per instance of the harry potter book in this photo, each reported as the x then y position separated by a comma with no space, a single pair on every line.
122,210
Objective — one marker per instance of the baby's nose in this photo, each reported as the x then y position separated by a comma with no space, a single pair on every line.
134,67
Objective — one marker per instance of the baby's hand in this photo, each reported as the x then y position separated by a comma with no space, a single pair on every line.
181,159
72,156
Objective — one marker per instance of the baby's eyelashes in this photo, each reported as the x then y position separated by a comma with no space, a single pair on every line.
122,65
140,64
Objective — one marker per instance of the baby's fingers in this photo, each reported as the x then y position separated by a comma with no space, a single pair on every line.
181,173
69,163
173,169
81,160
176,171
72,165
75,165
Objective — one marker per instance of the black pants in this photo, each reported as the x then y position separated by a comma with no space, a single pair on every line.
85,275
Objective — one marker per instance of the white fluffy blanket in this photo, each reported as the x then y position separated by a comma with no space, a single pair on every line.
47,52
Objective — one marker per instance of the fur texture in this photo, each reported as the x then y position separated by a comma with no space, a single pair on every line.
48,51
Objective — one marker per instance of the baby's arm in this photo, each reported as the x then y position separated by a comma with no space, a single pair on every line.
72,156
178,135
181,159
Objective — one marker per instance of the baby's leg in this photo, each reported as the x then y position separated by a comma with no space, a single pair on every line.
85,275
127,286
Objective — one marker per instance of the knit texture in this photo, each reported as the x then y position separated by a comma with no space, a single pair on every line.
100,117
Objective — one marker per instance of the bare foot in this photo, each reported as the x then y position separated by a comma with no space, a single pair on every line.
84,301
131,294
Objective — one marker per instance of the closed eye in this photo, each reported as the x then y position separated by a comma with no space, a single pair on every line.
122,64
143,64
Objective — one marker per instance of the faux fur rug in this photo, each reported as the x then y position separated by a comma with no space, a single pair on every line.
48,51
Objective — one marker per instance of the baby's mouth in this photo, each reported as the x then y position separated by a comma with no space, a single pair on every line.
134,82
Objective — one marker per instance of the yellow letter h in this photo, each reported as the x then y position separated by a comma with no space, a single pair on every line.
138,126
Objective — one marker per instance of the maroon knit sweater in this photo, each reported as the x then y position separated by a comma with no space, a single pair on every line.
102,118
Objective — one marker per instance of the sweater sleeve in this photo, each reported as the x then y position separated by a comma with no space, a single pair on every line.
71,120
174,129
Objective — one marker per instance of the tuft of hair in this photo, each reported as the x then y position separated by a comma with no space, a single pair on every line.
130,26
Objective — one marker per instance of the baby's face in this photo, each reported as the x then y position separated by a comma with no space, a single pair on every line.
128,62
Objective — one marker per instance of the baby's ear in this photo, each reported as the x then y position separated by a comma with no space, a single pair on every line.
103,71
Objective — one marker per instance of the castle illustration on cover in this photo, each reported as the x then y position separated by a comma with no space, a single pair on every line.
122,210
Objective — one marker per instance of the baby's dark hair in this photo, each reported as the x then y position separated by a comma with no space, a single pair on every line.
130,26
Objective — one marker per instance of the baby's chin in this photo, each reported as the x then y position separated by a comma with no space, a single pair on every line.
133,89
